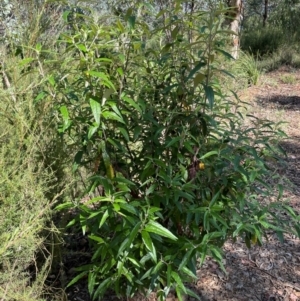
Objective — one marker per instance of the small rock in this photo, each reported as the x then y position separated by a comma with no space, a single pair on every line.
228,286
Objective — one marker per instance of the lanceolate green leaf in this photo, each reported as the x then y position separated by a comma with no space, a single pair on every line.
96,109
198,79
102,287
209,154
105,80
132,103
91,282
149,244
65,114
226,54
214,199
157,228
178,281
192,294
98,74
196,69
127,241
134,232
124,133
78,277
131,21
104,218
210,95
92,130
185,259
112,116
189,273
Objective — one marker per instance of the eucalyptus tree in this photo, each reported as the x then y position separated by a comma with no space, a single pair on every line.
284,13
269,24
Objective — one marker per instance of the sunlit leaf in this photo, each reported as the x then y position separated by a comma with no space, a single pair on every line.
112,116
178,281
157,228
132,103
198,79
104,218
209,154
96,109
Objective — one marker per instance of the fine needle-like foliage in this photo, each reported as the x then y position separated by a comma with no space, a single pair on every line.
24,187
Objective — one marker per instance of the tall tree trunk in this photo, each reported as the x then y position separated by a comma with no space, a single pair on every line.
265,15
234,18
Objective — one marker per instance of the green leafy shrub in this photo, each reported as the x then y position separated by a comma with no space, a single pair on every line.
284,56
155,134
275,43
262,41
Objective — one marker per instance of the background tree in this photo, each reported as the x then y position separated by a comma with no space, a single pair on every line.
234,17
269,25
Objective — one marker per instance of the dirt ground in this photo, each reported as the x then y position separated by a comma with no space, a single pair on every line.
271,272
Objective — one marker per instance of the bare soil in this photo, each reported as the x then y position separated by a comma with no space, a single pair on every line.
271,272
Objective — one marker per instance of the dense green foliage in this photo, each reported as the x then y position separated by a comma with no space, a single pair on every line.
271,28
166,163
177,173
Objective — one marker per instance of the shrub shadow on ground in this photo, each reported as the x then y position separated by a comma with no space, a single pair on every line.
292,173
268,273
278,101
